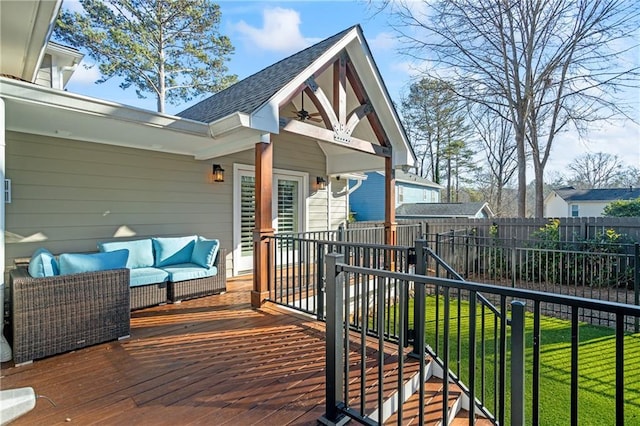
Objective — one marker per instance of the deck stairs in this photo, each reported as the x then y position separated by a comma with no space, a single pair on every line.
458,404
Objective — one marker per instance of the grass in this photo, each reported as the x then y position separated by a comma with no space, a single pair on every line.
596,359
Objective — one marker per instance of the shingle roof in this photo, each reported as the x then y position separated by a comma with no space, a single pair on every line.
413,178
440,209
252,92
608,194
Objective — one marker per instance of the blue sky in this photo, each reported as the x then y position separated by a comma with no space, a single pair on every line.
265,32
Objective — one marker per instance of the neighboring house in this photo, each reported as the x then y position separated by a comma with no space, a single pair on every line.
571,202
366,198
477,210
83,170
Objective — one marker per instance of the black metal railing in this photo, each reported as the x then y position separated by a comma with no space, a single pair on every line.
525,329
297,277
602,271
491,326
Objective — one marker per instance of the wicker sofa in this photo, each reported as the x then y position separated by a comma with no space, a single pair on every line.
51,315
169,269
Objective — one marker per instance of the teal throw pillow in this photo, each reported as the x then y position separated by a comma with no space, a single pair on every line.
173,250
75,263
140,251
43,264
205,252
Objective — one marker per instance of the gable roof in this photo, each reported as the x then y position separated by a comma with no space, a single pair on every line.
442,209
606,194
249,94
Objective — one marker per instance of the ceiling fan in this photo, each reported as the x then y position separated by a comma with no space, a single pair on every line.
304,115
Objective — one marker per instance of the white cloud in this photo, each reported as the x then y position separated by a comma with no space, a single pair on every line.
280,31
383,41
620,139
73,6
85,76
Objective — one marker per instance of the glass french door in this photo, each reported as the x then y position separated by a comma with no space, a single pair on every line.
288,212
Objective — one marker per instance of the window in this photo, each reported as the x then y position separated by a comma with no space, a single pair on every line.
575,210
424,194
400,194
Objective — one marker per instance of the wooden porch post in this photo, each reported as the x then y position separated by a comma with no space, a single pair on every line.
390,224
264,224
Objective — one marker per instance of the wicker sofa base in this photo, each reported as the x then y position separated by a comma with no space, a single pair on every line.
200,287
148,295
66,312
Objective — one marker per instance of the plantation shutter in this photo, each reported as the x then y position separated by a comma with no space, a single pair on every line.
248,213
288,209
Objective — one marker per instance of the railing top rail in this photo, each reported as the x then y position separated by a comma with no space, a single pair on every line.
580,302
341,243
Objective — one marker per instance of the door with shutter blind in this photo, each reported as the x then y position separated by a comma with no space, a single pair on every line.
288,211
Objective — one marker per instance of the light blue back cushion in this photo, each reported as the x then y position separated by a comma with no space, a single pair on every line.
43,264
140,251
169,250
74,263
205,252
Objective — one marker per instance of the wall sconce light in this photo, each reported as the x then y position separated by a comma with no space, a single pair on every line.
322,183
218,173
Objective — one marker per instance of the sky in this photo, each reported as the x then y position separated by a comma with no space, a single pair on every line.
266,32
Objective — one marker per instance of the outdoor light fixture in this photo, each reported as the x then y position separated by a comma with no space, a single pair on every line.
218,173
322,184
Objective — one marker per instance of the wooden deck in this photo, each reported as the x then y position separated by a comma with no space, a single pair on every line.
207,361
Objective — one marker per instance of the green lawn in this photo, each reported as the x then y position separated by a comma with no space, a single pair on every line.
596,366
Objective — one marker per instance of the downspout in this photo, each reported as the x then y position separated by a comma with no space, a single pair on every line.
5,349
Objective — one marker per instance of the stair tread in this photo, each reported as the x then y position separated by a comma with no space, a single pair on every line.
432,405
462,419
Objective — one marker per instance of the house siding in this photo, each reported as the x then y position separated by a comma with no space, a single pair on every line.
68,195
368,202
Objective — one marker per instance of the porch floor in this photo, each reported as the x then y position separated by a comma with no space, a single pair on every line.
206,361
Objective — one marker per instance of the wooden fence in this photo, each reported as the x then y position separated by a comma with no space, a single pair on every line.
571,228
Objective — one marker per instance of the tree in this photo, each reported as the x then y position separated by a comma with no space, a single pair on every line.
496,141
169,48
594,170
434,117
542,66
623,208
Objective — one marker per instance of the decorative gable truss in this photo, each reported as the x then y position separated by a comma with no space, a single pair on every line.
338,124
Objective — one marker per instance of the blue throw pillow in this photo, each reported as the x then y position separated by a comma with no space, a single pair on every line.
140,251
74,263
43,264
205,252
172,250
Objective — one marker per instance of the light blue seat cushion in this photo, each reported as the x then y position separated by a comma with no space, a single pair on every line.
205,252
140,251
148,275
74,263
189,271
173,250
43,264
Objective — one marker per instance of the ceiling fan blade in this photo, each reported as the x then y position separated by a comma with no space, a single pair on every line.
315,114
317,120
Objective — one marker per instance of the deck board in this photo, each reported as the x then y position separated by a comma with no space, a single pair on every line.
213,360
204,361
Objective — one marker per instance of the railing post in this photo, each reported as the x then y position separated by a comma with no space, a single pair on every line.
419,301
517,362
636,281
335,341
320,280
513,262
